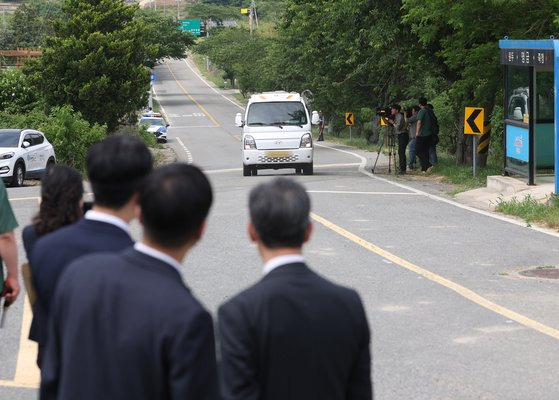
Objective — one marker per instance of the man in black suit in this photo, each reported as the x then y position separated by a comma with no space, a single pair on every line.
293,335
116,167
124,325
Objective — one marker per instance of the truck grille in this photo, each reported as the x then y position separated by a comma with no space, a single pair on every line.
277,160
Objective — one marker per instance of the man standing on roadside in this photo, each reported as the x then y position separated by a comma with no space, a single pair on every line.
400,130
293,335
8,249
424,131
124,325
116,168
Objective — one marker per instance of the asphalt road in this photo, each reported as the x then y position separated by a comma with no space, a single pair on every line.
450,315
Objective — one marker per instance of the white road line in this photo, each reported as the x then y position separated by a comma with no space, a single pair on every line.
220,171
210,86
191,126
375,193
24,198
441,199
189,158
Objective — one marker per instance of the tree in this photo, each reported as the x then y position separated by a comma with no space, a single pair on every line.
163,37
98,59
463,36
16,95
32,23
226,48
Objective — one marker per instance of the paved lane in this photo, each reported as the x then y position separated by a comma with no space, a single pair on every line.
451,317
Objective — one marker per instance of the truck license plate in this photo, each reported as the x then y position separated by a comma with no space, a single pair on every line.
278,153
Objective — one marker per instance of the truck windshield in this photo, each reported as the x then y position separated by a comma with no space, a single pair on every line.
277,113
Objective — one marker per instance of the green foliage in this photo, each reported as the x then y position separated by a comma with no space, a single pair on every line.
32,23
16,95
532,210
215,12
240,56
163,38
462,175
98,59
70,135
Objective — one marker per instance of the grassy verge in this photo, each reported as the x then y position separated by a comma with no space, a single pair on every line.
462,175
215,76
533,211
359,142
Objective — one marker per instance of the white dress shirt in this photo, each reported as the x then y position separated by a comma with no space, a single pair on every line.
282,260
109,219
150,251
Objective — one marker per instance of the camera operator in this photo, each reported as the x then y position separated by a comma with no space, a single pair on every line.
400,131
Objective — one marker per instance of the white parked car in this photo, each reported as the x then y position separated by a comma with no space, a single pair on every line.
24,154
276,133
155,125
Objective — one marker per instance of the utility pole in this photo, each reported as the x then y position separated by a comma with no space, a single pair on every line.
252,16
178,10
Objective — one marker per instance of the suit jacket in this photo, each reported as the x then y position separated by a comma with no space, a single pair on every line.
295,335
53,252
124,326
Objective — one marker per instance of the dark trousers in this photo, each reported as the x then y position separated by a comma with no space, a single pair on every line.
403,139
422,150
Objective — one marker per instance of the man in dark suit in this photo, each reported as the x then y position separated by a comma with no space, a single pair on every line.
293,335
116,167
124,325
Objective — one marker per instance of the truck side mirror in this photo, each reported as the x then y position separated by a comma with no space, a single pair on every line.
239,120
315,119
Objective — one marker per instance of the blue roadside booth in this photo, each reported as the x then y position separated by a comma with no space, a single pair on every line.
531,107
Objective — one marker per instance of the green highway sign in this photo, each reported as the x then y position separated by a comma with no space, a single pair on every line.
190,25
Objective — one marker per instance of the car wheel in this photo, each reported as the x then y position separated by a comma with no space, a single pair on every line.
50,163
19,175
246,170
254,171
308,170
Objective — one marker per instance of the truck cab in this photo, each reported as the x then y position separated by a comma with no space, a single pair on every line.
276,133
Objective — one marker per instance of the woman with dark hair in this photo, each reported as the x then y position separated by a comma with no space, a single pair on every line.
61,204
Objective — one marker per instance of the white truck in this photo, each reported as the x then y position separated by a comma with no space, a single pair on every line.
276,133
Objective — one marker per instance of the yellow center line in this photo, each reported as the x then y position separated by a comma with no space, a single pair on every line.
461,290
192,98
27,373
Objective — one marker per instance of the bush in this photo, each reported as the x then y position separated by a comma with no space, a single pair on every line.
70,135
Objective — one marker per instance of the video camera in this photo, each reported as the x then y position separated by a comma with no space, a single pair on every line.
385,112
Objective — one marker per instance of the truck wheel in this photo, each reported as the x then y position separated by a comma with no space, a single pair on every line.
298,171
246,170
254,171
308,170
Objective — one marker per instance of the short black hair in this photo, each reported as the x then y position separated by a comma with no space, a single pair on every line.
422,101
279,211
396,107
175,200
116,168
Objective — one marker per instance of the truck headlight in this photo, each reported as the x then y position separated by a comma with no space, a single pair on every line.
249,143
7,156
306,140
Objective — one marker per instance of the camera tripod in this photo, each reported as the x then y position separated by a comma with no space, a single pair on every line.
390,140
